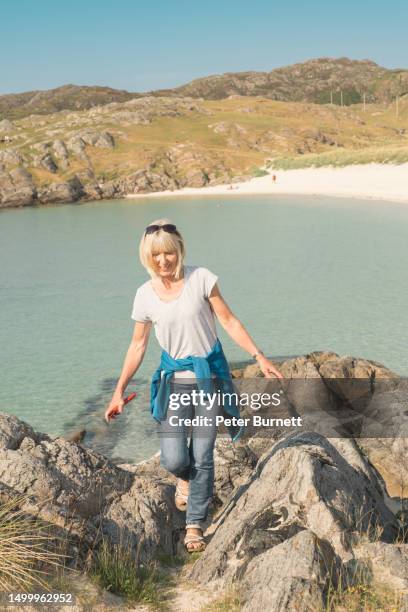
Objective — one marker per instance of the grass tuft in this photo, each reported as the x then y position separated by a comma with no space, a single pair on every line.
26,545
117,570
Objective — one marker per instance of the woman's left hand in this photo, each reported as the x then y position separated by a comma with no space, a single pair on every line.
268,369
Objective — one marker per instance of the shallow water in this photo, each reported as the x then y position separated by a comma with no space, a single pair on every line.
302,273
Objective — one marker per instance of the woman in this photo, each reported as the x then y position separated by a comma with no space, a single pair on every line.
181,302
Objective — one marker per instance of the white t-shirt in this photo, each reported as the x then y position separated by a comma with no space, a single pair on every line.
184,326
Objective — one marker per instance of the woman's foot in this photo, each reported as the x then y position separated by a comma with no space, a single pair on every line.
194,540
181,496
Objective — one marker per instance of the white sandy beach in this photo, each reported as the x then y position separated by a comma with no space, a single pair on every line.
371,181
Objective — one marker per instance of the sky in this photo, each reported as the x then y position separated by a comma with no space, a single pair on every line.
139,46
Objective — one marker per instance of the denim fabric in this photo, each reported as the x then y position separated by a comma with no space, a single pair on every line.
188,452
213,363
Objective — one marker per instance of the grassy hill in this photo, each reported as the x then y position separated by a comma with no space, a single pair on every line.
174,142
67,97
321,81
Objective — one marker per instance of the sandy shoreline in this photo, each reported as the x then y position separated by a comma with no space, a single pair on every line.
369,181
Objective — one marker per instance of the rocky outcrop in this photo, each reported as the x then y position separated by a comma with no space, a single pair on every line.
97,139
295,515
304,568
6,126
60,149
61,153
304,482
67,97
158,143
47,162
78,491
69,191
71,140
12,157
17,188
387,563
324,385
317,80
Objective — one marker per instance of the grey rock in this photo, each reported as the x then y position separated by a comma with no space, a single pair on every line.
47,162
76,145
60,149
351,367
76,489
106,140
291,576
92,191
234,465
89,137
388,564
6,126
23,196
195,178
12,157
42,147
13,431
86,175
69,191
292,517
109,189
17,188
145,181
389,456
97,139
303,482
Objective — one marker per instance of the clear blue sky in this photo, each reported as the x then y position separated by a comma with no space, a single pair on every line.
139,46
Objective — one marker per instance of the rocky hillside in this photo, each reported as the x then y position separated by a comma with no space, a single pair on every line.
155,143
318,80
67,97
300,521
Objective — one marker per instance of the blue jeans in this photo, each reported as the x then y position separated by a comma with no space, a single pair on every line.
194,460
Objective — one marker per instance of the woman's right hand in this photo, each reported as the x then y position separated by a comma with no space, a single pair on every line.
115,407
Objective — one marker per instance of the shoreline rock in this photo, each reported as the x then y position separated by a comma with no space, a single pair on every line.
17,187
294,516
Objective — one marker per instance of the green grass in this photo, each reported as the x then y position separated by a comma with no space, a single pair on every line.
115,569
259,172
341,158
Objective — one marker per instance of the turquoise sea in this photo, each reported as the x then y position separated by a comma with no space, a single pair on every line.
302,273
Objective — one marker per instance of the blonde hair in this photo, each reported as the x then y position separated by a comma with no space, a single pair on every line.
159,242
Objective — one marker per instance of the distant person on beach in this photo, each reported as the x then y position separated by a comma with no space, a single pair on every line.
273,178
182,303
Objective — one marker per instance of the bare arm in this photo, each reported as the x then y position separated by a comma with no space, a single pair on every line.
132,362
238,333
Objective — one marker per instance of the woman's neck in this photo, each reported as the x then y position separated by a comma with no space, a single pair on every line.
168,281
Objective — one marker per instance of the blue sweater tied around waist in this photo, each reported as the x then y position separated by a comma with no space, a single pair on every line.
213,363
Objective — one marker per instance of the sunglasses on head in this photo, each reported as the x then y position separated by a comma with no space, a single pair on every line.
167,227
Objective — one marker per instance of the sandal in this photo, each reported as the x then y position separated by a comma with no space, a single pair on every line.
193,539
180,499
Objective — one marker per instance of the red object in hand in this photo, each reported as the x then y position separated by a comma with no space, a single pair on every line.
129,398
126,400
